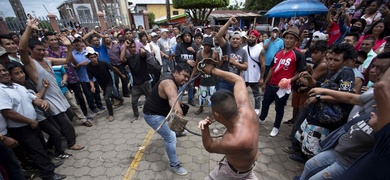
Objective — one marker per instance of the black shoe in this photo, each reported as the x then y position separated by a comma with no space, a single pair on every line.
290,150
58,164
58,176
289,122
126,95
297,158
191,102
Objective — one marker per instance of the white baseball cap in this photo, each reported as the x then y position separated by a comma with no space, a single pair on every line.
90,50
318,36
153,34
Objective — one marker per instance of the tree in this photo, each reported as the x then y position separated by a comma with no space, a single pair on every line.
151,18
235,6
255,5
199,10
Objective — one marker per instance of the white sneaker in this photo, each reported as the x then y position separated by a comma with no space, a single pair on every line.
262,122
257,111
274,132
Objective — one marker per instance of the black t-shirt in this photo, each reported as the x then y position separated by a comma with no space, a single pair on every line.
101,73
375,163
137,65
155,105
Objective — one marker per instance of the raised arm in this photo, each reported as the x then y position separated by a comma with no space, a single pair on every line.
123,52
240,91
27,61
69,56
222,31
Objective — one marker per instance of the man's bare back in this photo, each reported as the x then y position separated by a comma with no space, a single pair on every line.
240,141
246,135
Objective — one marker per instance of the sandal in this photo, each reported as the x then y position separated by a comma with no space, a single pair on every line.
76,147
199,111
87,123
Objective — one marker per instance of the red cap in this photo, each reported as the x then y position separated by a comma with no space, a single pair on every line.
254,33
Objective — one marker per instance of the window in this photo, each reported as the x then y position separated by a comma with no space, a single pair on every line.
84,12
175,13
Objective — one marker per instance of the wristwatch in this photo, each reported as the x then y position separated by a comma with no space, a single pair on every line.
318,98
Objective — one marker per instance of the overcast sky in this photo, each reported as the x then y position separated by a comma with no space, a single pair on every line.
37,7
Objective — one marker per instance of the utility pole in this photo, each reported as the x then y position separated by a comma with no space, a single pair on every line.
168,5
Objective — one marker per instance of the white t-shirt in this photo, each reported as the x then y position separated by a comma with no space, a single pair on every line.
252,74
156,50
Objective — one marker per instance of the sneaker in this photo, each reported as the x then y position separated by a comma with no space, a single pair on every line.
89,117
58,176
257,111
274,132
181,134
179,170
96,112
102,108
191,102
262,122
289,122
290,150
135,118
297,158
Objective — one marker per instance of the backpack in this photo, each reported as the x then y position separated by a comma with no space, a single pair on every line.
152,64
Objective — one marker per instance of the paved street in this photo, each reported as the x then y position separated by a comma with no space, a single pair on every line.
124,150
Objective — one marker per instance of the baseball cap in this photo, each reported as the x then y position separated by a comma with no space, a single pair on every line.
153,34
318,36
208,41
2,51
164,30
275,28
77,36
90,50
254,32
236,33
97,27
243,34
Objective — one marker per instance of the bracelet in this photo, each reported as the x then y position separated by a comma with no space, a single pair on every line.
211,71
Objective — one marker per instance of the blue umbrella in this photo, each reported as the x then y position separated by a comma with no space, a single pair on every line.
294,8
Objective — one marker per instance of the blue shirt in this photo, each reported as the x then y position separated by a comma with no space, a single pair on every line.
59,71
82,71
103,53
273,48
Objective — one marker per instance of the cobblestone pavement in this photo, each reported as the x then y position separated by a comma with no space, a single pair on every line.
123,150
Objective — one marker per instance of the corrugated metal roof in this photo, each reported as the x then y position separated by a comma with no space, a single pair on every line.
222,14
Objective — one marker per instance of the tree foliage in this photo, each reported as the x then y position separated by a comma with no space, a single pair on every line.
151,18
255,5
235,6
199,10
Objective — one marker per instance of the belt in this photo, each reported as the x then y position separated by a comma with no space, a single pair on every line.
237,171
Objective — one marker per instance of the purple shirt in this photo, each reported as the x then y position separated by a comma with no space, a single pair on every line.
72,76
114,54
137,46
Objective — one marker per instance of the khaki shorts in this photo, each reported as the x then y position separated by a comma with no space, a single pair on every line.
224,172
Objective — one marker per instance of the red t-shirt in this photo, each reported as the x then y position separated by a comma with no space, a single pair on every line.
334,33
286,64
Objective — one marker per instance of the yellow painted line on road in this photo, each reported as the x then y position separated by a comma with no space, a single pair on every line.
134,164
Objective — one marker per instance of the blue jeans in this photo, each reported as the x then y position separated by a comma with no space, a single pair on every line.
222,84
166,64
169,136
190,89
323,166
268,98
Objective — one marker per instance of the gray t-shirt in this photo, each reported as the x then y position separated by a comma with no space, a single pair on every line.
366,97
357,141
239,54
165,46
57,101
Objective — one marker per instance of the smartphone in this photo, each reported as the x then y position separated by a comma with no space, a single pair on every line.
336,6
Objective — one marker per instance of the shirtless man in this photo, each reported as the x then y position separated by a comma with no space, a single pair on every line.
240,141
